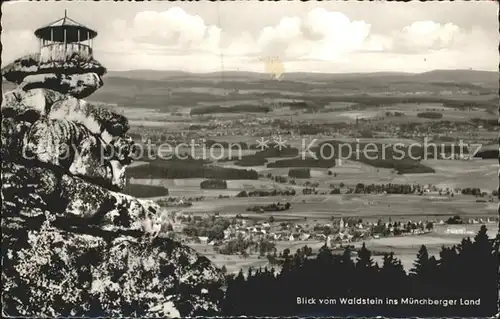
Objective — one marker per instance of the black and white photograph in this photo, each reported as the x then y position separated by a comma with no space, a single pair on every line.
250,158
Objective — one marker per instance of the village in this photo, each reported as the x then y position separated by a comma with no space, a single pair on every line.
382,125
337,233
182,166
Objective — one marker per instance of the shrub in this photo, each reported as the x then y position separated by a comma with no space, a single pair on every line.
188,169
144,191
299,172
299,162
213,184
430,115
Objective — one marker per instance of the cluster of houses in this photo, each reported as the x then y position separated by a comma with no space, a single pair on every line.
472,221
335,233
249,125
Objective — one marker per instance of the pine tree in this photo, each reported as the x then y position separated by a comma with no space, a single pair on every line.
324,255
235,293
482,243
240,278
420,266
392,270
365,272
486,271
364,260
249,274
345,273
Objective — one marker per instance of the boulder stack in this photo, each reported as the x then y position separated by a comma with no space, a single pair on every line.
76,76
72,243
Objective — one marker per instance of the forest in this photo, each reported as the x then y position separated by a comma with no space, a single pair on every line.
188,169
468,270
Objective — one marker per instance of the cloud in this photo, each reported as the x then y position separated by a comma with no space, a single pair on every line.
17,43
321,35
426,35
170,29
319,41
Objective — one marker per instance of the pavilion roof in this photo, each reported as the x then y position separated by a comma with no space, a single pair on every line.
74,31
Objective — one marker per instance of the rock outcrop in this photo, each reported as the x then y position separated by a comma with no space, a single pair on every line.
75,76
72,243
77,85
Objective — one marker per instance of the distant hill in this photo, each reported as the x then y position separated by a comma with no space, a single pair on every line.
180,75
163,89
152,75
466,76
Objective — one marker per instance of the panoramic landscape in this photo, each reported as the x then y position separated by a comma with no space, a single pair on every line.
306,109
272,172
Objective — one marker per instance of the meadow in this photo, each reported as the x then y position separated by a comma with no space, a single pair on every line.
242,107
404,248
369,207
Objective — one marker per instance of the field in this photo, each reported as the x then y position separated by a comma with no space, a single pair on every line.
369,207
154,117
243,107
233,263
449,174
457,174
312,209
404,248
189,187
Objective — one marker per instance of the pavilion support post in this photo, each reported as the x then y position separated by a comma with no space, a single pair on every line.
78,42
65,45
51,48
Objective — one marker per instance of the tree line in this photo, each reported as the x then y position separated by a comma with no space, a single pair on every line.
242,246
213,184
260,157
138,190
274,207
403,159
302,162
267,193
240,108
467,270
389,188
188,169
430,115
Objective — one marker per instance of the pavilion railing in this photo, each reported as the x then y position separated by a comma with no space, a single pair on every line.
61,52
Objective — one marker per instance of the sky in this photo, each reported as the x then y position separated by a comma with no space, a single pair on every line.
328,37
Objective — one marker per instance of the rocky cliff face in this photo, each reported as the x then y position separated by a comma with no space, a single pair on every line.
72,243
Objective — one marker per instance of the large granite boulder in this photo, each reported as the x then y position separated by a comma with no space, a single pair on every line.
29,105
18,70
34,191
13,133
34,103
49,272
60,130
96,118
77,85
56,142
72,147
72,243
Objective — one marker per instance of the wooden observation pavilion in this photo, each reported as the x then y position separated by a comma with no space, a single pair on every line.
63,38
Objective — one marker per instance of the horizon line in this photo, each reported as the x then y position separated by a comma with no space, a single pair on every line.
301,72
